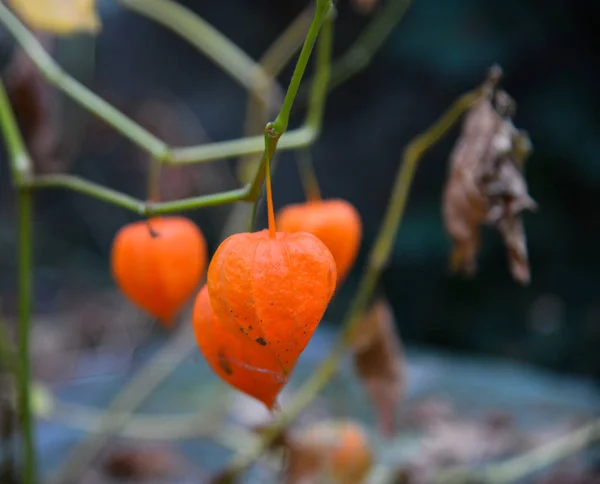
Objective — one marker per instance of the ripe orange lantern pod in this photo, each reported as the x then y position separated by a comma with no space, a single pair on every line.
335,222
159,263
249,367
272,288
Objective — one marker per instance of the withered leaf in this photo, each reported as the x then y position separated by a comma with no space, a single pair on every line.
33,101
336,452
380,363
486,184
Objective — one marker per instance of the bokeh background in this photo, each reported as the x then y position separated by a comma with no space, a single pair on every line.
441,49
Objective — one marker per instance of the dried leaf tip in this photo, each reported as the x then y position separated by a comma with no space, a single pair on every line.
486,184
380,363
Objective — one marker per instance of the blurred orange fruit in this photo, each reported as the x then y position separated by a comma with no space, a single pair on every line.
159,263
335,222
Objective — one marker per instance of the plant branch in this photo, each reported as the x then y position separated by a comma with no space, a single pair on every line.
360,53
132,204
317,104
208,40
21,168
281,121
308,177
20,164
55,75
380,254
272,61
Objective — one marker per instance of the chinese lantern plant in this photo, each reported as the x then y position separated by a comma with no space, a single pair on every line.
268,291
159,263
250,368
334,221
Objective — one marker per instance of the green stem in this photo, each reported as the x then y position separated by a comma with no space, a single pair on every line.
380,254
360,53
308,177
133,204
358,56
20,164
208,40
153,189
273,60
315,113
281,121
21,168
24,203
73,88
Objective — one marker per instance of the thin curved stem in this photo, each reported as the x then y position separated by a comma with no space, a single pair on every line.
24,203
380,254
77,91
270,143
20,163
208,40
21,168
132,204
308,176
317,105
273,60
281,121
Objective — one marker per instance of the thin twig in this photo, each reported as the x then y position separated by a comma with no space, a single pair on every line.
272,61
21,168
380,254
208,40
128,202
151,427
55,75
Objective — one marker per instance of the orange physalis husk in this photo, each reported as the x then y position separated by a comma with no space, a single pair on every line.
249,367
330,451
159,263
335,222
272,290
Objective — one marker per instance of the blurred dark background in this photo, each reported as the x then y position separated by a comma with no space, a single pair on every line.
442,48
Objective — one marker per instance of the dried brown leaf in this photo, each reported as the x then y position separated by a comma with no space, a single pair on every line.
336,452
486,184
380,364
33,101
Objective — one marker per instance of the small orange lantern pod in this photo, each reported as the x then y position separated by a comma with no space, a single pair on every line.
335,222
272,288
159,263
246,366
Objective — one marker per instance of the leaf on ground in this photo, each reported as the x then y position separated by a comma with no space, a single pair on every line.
486,184
380,364
142,464
59,17
334,451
